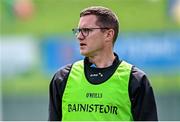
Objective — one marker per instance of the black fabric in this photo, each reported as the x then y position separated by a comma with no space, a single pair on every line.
56,90
99,75
142,97
140,91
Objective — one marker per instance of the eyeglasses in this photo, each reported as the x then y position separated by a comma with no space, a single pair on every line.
84,31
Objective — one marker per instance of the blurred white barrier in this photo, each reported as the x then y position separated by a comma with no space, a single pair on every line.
0,84
18,54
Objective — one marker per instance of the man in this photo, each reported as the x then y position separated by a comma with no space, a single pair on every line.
100,87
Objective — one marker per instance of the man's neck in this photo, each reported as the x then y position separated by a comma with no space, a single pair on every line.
102,60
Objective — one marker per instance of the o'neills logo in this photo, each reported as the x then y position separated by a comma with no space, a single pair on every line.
93,108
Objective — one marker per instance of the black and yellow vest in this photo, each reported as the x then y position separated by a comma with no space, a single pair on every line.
108,101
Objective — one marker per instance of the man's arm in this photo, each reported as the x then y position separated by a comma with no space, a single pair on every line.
142,97
56,89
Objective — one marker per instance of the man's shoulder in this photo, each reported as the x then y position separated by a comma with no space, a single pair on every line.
62,72
137,73
139,77
64,68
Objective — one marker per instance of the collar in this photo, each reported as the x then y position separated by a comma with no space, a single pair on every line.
89,64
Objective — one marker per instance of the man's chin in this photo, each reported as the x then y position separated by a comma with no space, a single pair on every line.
84,53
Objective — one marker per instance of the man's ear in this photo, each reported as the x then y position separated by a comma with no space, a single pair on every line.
109,35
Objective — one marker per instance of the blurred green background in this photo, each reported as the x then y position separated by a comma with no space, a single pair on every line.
26,25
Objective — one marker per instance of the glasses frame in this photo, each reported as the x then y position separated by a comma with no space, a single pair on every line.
84,31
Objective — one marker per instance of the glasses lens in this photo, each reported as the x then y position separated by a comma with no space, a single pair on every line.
85,31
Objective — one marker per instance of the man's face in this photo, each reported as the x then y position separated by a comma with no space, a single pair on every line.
94,42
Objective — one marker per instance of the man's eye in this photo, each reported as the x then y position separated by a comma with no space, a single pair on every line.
86,29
